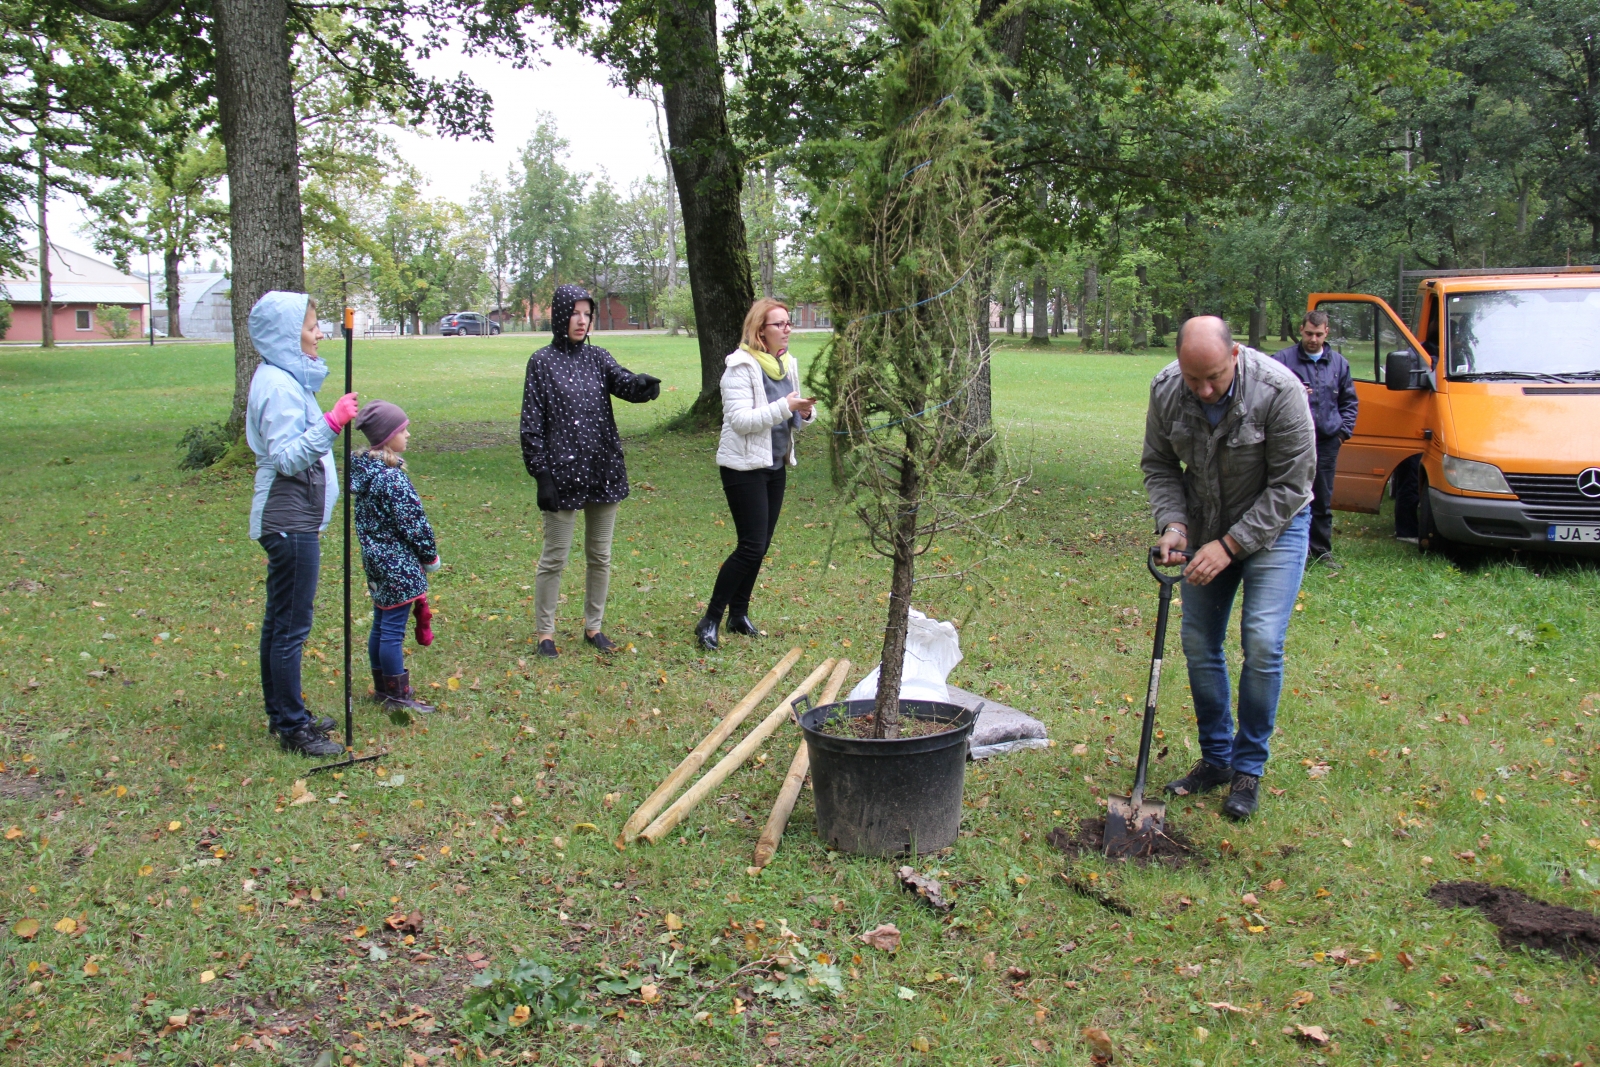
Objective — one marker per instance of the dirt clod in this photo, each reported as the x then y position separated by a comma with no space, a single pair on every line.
1171,848
1523,920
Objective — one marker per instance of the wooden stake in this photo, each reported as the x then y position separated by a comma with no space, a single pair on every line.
731,762
712,741
783,807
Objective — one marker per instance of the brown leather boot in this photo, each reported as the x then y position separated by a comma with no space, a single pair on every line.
397,693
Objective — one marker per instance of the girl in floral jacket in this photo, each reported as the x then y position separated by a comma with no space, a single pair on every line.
397,549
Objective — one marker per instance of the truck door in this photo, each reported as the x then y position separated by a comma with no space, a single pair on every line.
1389,424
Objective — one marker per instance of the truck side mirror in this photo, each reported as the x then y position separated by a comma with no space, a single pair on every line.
1404,370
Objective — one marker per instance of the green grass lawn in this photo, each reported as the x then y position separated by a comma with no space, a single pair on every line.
165,899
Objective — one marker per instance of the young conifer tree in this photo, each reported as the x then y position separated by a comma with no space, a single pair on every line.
900,249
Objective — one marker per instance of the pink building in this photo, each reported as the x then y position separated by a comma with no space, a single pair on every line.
80,286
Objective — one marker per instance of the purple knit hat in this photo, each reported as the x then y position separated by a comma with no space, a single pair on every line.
380,420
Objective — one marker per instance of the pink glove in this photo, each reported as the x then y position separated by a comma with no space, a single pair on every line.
424,614
343,411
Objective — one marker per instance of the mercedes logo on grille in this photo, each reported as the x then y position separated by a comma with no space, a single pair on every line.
1589,483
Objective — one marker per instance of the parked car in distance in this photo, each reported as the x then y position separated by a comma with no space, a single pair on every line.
1496,385
462,323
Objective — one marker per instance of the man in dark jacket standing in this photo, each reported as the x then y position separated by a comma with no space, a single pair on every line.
1326,376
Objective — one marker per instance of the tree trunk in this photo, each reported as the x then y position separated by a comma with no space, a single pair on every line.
1091,298
710,178
1041,311
1009,309
1258,321
1140,337
171,262
47,308
886,710
1061,311
255,103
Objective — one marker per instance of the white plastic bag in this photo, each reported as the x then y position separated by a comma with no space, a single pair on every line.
933,649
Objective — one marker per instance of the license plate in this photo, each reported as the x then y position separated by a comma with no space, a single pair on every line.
1585,535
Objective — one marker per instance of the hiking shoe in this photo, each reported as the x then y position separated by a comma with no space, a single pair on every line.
1242,799
602,643
307,741
1202,778
324,724
1326,559
547,649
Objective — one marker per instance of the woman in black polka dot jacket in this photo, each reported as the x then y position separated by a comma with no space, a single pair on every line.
571,448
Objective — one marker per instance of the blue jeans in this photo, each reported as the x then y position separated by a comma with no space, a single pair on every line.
293,563
1271,580
386,644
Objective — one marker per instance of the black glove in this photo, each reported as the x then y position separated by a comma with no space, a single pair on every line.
652,386
547,492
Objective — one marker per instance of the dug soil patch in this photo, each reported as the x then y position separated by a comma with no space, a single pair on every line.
1089,838
1523,920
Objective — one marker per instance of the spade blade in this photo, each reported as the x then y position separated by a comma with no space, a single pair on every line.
1132,828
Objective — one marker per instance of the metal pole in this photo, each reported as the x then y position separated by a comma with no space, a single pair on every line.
350,757
150,290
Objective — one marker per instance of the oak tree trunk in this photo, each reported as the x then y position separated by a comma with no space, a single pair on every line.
255,97
710,178
172,261
1041,311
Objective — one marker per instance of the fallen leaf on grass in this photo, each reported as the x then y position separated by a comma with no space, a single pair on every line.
672,922
926,887
1405,959
1276,884
1101,1041
27,929
1188,970
1223,1005
66,925
885,936
405,924
1311,1035
1041,1046
1300,1000
905,994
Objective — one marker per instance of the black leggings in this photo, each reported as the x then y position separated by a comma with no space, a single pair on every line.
755,498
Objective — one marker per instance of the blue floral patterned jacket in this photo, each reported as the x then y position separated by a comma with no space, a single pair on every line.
396,540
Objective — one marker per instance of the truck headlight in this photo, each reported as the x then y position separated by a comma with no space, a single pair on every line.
1474,477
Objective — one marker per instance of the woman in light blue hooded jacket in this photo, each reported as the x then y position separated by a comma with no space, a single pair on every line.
296,486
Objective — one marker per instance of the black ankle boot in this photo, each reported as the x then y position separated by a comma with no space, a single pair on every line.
706,632
739,623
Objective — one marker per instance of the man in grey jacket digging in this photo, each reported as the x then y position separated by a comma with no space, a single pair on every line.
1229,457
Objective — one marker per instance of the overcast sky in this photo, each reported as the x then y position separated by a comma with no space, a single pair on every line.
608,130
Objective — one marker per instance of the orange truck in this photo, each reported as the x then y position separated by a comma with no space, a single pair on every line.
1495,384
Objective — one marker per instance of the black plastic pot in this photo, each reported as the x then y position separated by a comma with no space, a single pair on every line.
883,797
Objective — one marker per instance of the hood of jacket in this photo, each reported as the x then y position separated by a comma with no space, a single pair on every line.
275,324
561,308
365,469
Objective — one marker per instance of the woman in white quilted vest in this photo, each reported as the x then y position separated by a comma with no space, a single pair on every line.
762,410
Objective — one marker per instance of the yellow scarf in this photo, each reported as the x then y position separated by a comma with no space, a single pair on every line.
769,363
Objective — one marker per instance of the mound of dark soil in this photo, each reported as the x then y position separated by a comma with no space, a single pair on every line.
1171,848
1523,920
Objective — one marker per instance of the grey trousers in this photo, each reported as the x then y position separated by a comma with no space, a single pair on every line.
599,520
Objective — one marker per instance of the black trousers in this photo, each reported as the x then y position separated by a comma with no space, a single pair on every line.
1406,496
293,563
755,498
1322,495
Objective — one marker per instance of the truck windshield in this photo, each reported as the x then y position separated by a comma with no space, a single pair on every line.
1525,333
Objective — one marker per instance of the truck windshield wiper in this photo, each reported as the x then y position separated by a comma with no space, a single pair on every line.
1508,375
1581,375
